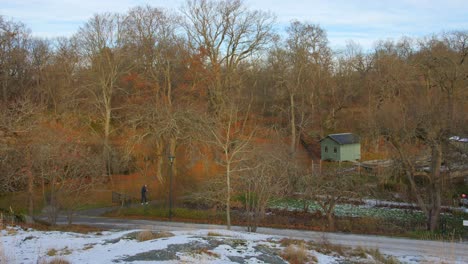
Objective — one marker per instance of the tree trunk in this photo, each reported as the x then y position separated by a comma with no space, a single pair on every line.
331,221
70,216
160,158
168,83
435,187
293,124
172,150
5,88
228,195
30,185
106,149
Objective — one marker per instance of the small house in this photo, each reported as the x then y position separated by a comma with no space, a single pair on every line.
340,147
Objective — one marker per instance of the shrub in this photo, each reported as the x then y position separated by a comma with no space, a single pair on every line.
297,254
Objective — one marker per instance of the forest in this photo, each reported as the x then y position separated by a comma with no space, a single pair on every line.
239,106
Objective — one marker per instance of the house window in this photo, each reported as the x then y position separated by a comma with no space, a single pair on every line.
326,149
335,150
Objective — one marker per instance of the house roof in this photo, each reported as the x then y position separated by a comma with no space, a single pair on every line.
343,138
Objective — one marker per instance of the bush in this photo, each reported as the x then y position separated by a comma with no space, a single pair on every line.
297,254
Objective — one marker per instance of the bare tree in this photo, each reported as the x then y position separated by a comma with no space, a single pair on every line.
330,188
100,40
265,180
69,168
231,137
302,69
14,41
227,33
18,121
419,129
157,51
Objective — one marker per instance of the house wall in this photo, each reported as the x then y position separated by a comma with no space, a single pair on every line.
330,154
350,152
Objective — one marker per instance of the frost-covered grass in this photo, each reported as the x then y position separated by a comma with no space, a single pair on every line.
349,210
409,222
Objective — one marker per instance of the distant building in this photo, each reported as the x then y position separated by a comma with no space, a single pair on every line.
340,147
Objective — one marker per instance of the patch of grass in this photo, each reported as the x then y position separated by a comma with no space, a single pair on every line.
181,213
66,251
359,252
82,229
88,246
324,246
146,235
55,261
192,214
285,242
436,236
139,211
297,254
380,258
205,251
11,231
52,252
214,234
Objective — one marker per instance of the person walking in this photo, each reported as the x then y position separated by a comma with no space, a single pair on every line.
144,190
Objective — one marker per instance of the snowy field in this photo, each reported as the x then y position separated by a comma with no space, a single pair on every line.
200,246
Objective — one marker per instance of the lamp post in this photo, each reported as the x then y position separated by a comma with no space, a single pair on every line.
171,160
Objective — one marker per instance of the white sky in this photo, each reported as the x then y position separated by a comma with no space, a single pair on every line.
363,21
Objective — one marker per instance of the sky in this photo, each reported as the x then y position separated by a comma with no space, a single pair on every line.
362,21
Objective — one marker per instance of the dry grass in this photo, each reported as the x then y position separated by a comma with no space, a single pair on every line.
146,235
55,261
324,246
380,258
52,252
359,252
86,247
82,229
285,242
11,231
297,254
214,234
205,251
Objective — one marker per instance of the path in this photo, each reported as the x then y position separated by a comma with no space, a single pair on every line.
450,252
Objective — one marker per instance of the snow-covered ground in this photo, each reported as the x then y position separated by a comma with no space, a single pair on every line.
197,246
